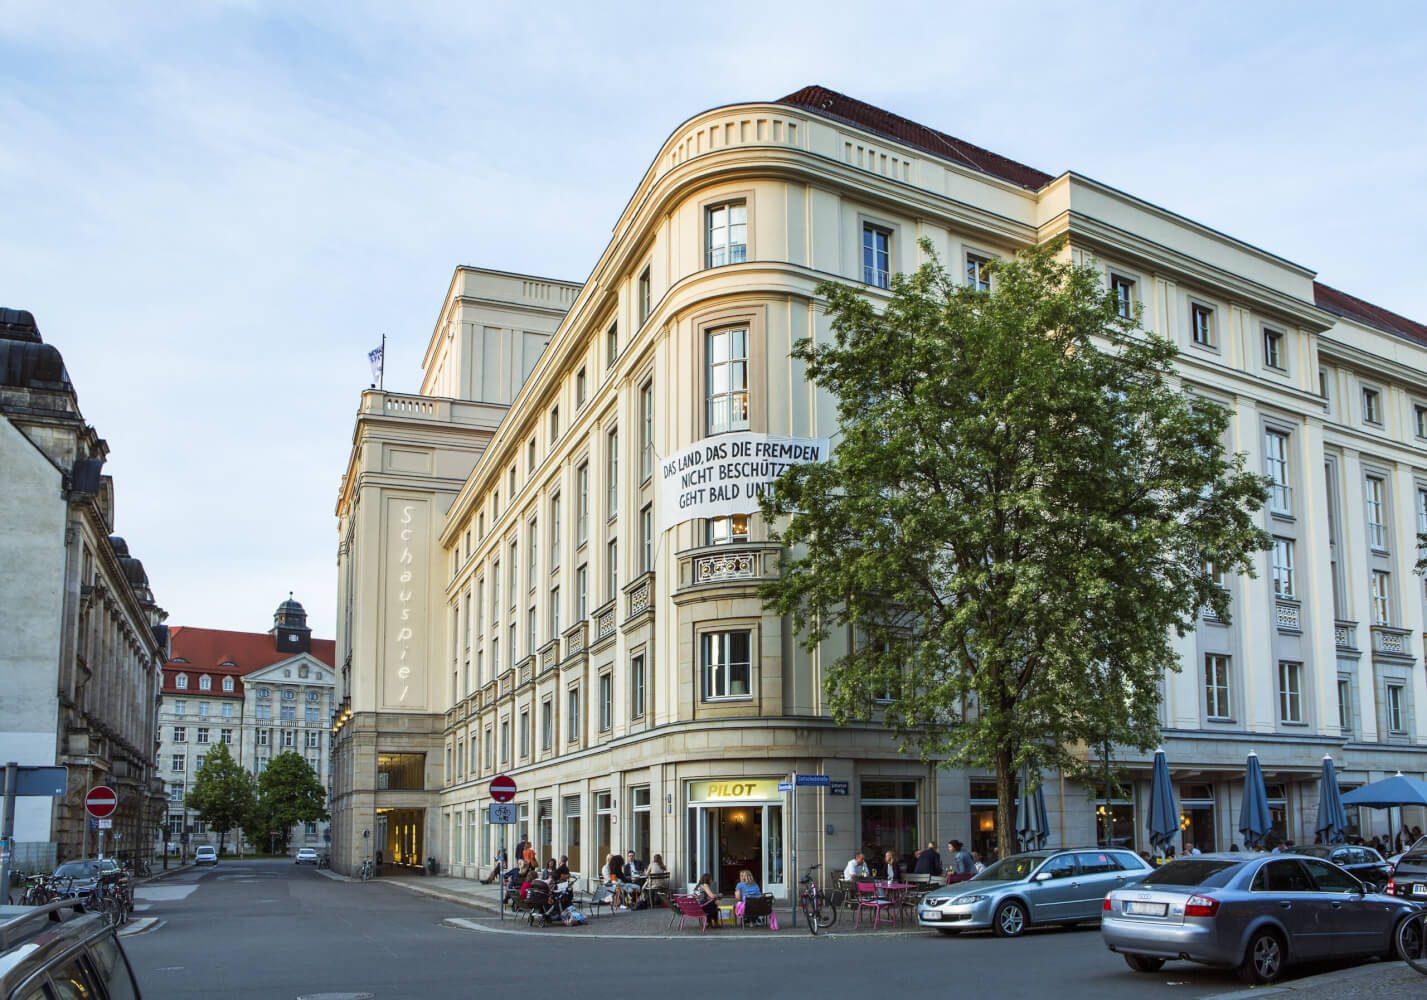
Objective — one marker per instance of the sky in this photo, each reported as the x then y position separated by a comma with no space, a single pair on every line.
215,210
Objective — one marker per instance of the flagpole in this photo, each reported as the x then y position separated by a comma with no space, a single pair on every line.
382,377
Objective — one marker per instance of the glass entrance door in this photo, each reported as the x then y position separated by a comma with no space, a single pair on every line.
774,879
703,846
725,840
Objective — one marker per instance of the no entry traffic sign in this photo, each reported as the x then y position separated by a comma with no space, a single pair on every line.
101,801
503,788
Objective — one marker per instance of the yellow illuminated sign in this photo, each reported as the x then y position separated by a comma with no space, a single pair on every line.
737,790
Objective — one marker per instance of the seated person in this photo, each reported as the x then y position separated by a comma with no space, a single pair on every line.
894,867
856,868
625,893
632,865
746,889
656,866
707,899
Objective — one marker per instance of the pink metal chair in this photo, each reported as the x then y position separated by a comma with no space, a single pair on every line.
874,898
689,909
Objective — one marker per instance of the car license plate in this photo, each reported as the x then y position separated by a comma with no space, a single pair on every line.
1420,889
931,914
1147,909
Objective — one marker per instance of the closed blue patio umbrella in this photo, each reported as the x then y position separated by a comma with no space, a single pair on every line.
1332,823
1164,817
1032,823
1254,819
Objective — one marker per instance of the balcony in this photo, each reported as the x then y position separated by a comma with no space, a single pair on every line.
724,567
1345,635
1287,617
1392,644
604,623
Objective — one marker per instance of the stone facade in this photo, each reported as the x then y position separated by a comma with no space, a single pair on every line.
589,633
83,635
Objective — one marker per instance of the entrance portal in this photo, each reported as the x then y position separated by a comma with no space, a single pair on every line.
726,840
401,836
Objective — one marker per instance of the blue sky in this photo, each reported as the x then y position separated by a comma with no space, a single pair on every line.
215,210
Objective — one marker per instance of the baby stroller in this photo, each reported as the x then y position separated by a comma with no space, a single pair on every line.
542,908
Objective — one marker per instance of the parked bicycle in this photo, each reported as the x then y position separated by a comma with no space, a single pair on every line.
40,889
325,861
818,910
368,869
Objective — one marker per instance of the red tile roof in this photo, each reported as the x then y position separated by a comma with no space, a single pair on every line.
1354,308
834,105
206,649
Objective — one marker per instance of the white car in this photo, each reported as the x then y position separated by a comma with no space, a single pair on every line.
205,856
306,856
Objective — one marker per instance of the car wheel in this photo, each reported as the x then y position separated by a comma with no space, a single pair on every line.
1410,938
950,931
1010,919
1144,963
1263,961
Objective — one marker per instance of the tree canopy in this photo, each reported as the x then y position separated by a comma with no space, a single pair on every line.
222,792
289,792
1015,520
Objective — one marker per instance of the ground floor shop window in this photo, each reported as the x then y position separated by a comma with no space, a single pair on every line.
1196,817
456,825
889,819
1115,823
639,824
522,822
471,858
571,809
1277,812
604,828
545,828
732,826
983,819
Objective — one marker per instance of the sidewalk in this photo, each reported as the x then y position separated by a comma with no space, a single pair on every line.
1374,981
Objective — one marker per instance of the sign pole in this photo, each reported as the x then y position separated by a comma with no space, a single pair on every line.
7,828
793,850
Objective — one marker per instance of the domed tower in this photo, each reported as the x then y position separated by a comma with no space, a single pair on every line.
290,632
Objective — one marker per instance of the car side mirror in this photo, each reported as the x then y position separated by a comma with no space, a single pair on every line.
1042,876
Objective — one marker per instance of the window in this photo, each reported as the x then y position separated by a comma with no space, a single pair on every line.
203,708
1377,524
1345,704
1280,496
175,791
181,682
505,741
642,297
646,537
495,506
530,461
1394,709
512,587
495,591
226,736
1273,349
202,734
263,711
1372,408
611,339
876,256
205,683
611,570
579,388
1419,420
571,806
726,234
490,751
289,695
1421,528
310,714
180,734
264,737
636,687
724,530
313,696
289,738
726,664
511,646
314,740
1381,598
512,484
554,425
1283,567
1201,325
495,654
555,532
533,535
227,684
606,702
612,472
727,352
554,612
288,714
572,714
646,431
1290,691
1124,291
180,707
582,593
227,709
1216,686
524,734
547,724
530,637
177,762
582,500
976,274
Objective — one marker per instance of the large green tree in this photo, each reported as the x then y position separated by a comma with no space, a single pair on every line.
222,792
289,792
1016,518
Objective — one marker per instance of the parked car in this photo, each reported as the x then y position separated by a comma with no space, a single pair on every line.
80,878
306,856
44,955
1256,913
1420,844
1409,876
205,855
1040,887
1363,863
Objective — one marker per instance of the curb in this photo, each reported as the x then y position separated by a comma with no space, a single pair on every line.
1369,971
448,897
139,925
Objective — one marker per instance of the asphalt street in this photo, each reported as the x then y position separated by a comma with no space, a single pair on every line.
267,929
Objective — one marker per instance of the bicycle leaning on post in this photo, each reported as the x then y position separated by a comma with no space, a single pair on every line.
367,870
818,910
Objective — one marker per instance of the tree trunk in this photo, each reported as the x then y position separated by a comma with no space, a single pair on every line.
1006,842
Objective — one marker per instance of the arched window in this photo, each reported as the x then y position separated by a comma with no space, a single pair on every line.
205,683
181,682
227,683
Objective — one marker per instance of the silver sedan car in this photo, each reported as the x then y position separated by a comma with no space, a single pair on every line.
1253,912
1040,887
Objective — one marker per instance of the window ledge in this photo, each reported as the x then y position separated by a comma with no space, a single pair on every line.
1221,721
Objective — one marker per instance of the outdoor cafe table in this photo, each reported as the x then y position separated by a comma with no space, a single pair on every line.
894,892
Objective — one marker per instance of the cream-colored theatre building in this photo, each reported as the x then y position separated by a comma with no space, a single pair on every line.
548,568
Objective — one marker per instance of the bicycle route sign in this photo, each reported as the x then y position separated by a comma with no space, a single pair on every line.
503,788
101,801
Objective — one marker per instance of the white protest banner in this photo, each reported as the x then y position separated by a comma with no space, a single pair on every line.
724,475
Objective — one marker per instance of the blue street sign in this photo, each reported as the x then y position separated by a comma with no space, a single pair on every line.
47,781
785,786
838,788
815,780
93,823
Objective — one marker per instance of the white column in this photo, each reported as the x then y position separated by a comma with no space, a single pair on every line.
1353,566
1407,588
1317,623
1255,615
